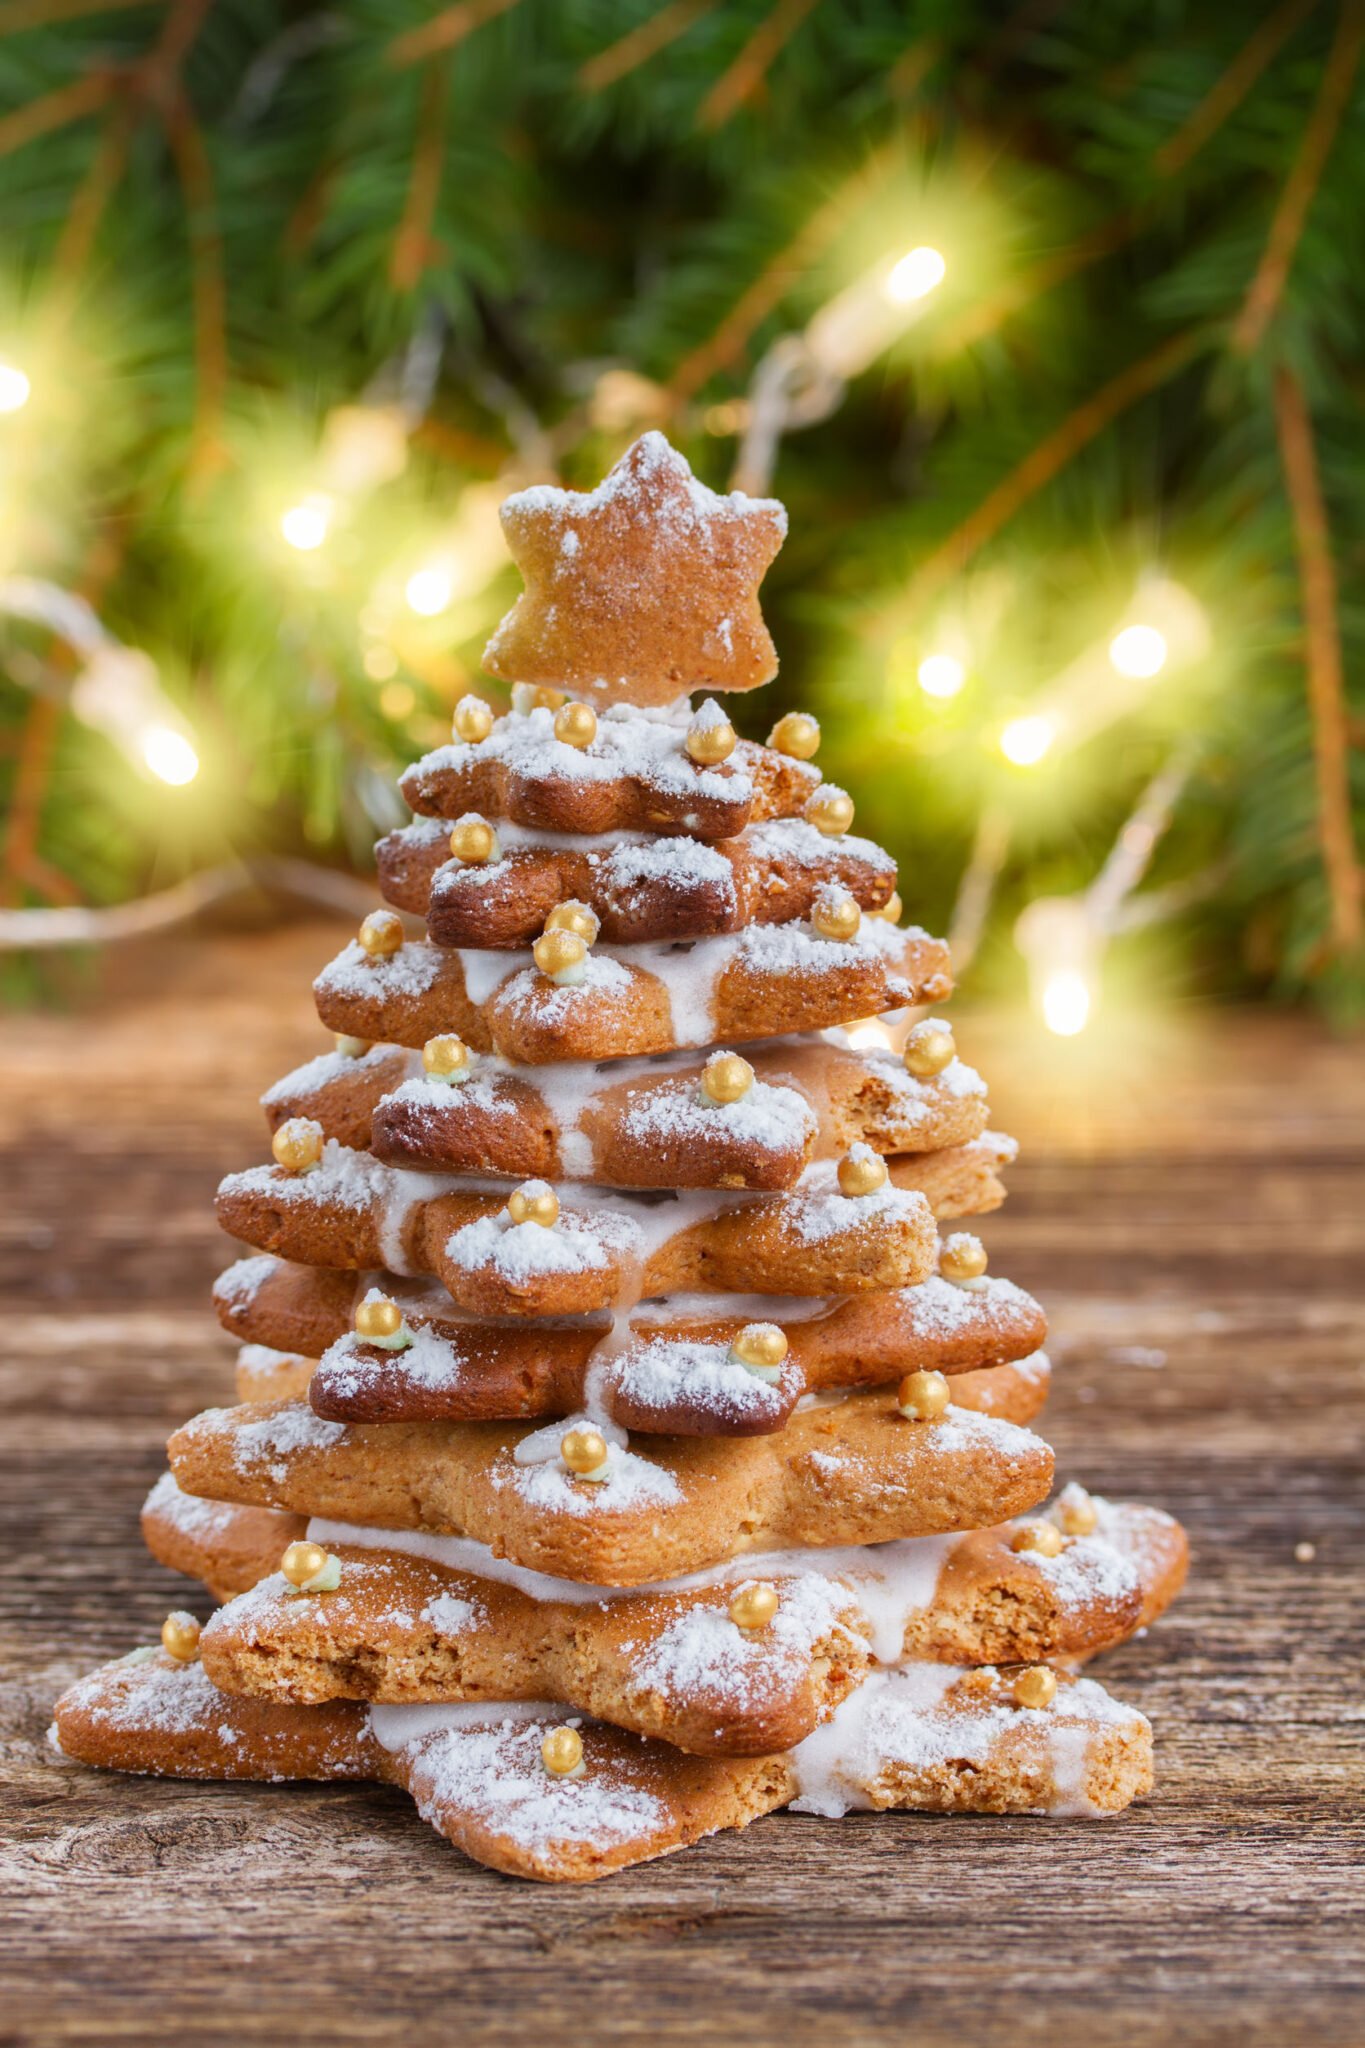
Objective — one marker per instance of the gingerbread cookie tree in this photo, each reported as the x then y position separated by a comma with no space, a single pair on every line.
621,1452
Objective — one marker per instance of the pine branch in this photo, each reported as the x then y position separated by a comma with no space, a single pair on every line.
413,248
208,452
57,109
751,66
639,44
445,30
1326,686
1223,98
1338,81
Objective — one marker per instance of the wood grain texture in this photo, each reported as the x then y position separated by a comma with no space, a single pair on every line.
1189,1207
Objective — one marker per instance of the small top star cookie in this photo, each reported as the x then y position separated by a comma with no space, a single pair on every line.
641,590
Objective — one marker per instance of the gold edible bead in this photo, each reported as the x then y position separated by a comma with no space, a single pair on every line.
584,1451
537,697
709,745
1042,1537
726,1077
353,1048
534,1202
1036,1687
963,1257
378,1318
303,1561
555,952
922,1396
760,1344
562,1752
861,1171
892,910
473,840
836,917
381,933
473,720
297,1144
180,1634
1078,1515
576,725
830,810
754,1606
579,918
798,735
445,1055
928,1050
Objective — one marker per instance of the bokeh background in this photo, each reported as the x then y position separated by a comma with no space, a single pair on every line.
1047,323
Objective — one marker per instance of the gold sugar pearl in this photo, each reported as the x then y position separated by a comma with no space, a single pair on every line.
830,810
861,1171
797,735
584,1451
297,1144
473,840
726,1077
763,1345
962,1257
528,697
381,933
579,918
709,745
353,1048
559,952
1043,1537
922,1396
445,1055
1077,1513
180,1634
929,1048
893,910
473,721
562,1752
535,1201
836,917
302,1562
1036,1687
378,1318
576,725
754,1606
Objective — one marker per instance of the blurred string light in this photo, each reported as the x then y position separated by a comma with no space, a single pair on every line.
941,675
1063,938
802,377
306,525
15,388
1166,628
117,689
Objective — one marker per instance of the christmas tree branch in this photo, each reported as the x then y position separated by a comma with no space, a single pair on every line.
445,30
1046,461
1272,274
91,201
1227,93
22,14
207,284
1326,687
639,44
412,245
747,73
57,109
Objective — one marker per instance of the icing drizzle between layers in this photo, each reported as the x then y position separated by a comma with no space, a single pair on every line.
644,744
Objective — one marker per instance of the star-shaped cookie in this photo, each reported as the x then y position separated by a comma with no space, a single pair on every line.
641,590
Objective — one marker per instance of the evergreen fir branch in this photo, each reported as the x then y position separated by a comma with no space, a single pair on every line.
445,30
413,247
636,47
67,103
1227,93
745,76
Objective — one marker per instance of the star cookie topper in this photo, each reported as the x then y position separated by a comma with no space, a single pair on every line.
641,590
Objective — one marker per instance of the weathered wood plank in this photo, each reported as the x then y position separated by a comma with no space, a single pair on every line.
1193,1217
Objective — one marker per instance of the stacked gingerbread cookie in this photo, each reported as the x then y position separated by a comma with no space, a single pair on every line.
622,1450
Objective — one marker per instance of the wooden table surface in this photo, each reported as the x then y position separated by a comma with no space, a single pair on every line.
1189,1206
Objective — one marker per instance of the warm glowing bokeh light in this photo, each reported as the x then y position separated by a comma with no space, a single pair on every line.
305,526
941,675
915,276
1025,740
1066,1002
169,755
870,1035
1138,651
429,591
14,388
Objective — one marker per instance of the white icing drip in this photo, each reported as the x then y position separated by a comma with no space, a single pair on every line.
395,1728
323,1071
